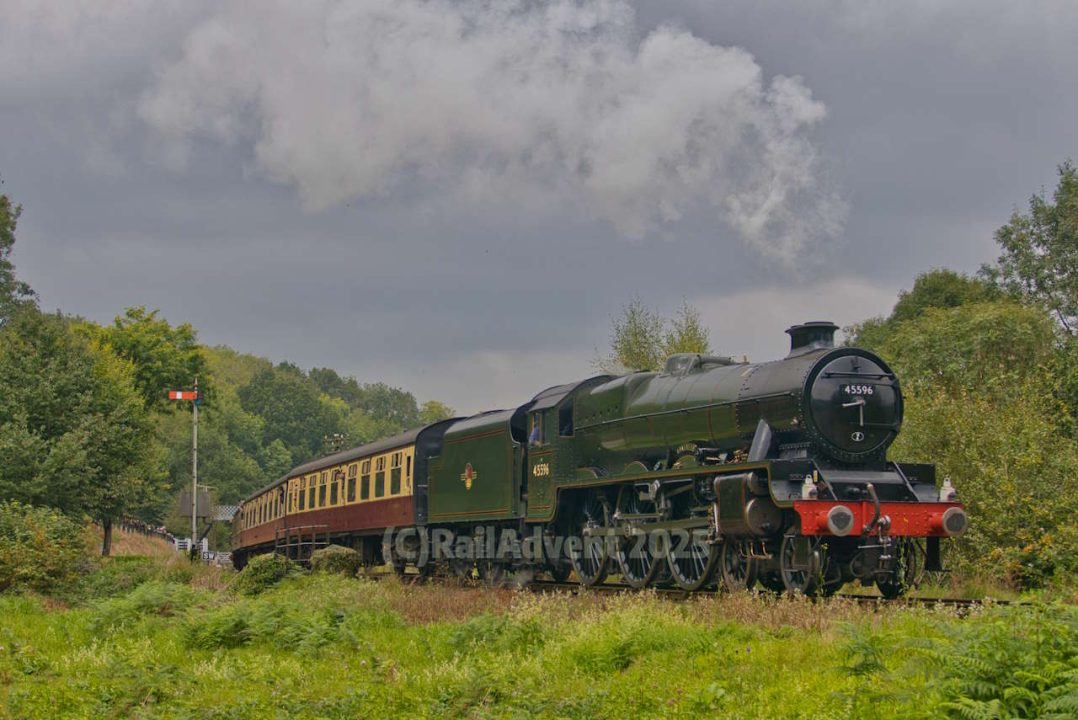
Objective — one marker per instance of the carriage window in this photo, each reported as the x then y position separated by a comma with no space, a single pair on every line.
380,477
365,481
352,483
322,491
311,490
333,488
395,475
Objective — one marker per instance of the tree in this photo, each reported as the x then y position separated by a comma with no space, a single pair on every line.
686,333
1040,251
939,288
332,384
292,408
389,404
983,403
74,433
13,293
164,357
433,411
641,339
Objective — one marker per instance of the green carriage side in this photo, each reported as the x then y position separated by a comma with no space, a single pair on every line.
478,475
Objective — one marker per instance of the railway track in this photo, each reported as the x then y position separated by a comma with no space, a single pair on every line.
572,588
677,594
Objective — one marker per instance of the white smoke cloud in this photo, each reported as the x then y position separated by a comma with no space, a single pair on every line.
348,99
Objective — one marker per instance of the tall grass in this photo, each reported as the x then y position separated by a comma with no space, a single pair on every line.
327,646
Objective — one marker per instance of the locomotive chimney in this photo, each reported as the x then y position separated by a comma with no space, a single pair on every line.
811,336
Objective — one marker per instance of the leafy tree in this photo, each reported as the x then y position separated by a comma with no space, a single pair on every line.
389,404
275,460
73,430
433,411
686,333
1040,250
231,368
13,293
940,288
983,404
980,348
292,409
165,357
641,339
332,384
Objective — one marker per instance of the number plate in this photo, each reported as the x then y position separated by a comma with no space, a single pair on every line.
859,389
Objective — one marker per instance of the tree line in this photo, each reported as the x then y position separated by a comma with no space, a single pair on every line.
86,425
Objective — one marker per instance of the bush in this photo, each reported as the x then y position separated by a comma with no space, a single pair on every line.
153,598
40,549
263,572
117,575
336,559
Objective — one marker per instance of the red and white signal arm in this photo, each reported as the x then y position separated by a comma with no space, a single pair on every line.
183,395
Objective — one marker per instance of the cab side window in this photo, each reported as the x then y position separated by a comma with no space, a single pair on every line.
536,436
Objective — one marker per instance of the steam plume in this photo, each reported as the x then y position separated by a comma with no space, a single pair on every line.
348,99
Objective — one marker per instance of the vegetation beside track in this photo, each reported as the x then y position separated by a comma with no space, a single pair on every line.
165,643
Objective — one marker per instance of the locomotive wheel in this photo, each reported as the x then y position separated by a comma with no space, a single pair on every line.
462,569
491,572
800,560
691,559
737,568
589,556
634,555
559,572
636,562
772,581
909,564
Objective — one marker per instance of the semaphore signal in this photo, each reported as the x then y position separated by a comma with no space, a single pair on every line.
196,397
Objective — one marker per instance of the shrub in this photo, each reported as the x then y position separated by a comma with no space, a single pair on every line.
263,572
153,598
117,575
336,559
40,549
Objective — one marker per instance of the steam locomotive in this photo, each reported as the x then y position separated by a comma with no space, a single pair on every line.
709,472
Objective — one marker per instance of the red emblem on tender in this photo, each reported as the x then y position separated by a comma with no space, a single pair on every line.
467,476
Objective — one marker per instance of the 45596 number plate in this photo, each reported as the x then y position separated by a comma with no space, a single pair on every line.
859,389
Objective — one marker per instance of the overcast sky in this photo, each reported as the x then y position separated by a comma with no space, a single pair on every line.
455,197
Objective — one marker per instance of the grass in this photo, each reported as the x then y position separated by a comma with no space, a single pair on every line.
319,646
